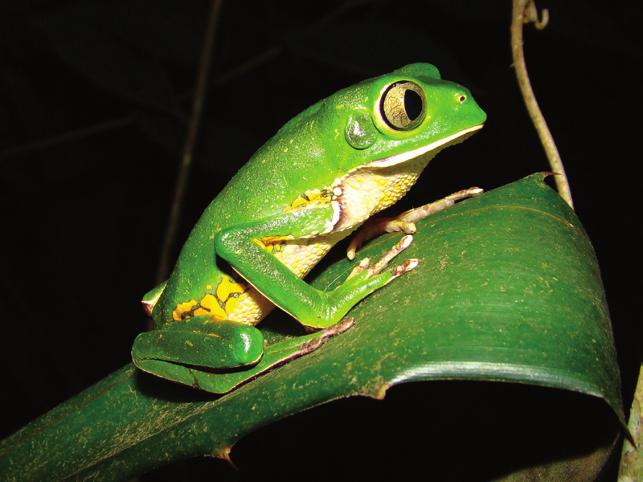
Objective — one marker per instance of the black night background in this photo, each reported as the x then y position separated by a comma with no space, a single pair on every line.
95,98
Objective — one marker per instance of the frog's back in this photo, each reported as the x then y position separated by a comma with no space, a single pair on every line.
278,173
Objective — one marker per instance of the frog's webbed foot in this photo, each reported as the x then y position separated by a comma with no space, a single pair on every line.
405,222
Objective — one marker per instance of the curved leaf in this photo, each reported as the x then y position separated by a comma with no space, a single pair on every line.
508,290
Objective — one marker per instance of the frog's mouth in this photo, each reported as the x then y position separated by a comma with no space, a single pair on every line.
432,147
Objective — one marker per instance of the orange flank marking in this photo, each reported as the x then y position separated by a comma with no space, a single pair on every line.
314,196
210,305
272,243
229,293
217,304
228,288
183,309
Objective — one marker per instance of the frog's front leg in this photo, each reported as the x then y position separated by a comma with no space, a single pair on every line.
405,222
311,307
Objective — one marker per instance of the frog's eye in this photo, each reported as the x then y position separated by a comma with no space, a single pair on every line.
403,105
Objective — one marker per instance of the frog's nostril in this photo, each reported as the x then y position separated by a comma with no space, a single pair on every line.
462,98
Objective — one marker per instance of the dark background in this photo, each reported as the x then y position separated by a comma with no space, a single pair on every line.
94,101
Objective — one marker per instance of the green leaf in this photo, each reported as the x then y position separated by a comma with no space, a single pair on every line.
508,290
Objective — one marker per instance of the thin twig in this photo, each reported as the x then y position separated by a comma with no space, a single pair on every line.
188,150
524,11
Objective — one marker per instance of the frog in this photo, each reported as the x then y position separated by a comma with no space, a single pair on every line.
320,179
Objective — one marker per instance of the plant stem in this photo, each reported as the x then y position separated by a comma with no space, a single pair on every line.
188,149
524,11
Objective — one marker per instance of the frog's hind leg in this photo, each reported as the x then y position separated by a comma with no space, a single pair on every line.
174,350
274,355
405,222
181,358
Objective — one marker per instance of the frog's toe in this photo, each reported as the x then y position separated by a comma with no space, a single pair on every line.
376,227
360,268
405,267
400,246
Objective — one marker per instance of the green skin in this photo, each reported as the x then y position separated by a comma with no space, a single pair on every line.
327,141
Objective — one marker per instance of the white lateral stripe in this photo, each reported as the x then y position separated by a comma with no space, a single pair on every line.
405,156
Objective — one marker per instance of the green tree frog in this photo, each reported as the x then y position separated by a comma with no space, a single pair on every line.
323,175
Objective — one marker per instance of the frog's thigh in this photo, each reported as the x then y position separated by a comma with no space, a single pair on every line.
405,222
200,342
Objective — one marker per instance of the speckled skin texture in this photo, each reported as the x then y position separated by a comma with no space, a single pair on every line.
312,153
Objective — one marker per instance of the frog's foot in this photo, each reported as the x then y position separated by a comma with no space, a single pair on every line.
222,380
377,268
375,227
405,222
316,338
275,355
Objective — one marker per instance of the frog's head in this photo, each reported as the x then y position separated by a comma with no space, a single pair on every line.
396,117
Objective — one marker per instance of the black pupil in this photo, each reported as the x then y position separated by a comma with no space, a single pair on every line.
412,104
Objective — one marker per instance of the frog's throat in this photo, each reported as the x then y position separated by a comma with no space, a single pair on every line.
370,188
433,146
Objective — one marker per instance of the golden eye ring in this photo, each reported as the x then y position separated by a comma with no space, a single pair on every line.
403,105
